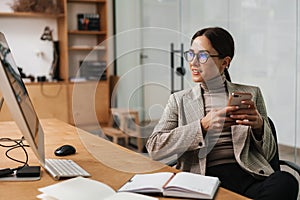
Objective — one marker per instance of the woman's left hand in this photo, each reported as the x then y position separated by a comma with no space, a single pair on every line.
248,116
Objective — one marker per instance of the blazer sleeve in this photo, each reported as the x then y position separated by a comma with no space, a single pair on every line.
169,137
267,145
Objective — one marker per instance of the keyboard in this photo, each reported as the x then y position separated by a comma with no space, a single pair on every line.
63,168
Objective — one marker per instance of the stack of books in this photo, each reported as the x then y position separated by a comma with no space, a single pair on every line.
93,70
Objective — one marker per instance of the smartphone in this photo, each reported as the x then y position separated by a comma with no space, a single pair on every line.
236,98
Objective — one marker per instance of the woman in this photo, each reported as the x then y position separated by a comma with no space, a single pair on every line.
212,138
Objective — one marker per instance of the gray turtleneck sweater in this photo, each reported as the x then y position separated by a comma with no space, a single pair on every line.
220,147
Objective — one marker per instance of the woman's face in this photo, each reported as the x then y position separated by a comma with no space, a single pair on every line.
213,67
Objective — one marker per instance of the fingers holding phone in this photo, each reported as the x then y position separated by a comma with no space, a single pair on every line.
247,113
244,103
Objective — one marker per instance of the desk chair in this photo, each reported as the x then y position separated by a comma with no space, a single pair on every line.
124,124
276,162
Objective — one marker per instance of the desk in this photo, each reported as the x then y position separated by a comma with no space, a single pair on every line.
105,161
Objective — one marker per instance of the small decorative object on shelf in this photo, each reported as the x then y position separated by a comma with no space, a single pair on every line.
54,70
25,78
88,21
40,6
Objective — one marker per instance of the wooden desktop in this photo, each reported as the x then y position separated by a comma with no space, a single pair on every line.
105,161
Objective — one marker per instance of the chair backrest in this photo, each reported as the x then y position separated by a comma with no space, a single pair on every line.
127,120
275,160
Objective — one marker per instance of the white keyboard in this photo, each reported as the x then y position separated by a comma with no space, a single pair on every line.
62,168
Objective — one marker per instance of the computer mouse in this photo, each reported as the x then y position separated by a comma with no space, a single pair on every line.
65,150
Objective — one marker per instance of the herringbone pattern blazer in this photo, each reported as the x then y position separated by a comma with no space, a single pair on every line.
179,132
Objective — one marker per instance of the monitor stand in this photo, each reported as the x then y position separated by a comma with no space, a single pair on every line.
15,178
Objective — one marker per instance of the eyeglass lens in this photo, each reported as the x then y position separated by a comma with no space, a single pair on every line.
201,56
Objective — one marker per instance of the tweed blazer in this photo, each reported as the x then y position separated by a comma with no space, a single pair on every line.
179,132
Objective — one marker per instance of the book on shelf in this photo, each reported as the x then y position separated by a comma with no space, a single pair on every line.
88,21
182,184
85,188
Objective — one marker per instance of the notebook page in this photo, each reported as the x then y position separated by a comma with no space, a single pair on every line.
77,189
185,181
146,182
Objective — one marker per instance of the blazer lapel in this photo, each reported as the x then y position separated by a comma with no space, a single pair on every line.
193,102
231,87
193,105
239,133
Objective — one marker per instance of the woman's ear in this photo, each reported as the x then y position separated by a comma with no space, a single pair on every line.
226,62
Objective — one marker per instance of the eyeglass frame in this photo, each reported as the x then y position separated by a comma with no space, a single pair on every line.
197,54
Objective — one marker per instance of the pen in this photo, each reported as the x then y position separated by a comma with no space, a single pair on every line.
168,180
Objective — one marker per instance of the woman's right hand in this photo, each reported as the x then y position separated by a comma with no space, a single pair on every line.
218,119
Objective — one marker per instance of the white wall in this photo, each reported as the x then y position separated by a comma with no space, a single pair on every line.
266,38
146,81
128,39
23,36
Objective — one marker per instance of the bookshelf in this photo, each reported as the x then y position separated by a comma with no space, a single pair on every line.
84,40
85,47
74,46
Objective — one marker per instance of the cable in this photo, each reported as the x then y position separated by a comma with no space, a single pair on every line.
18,143
16,160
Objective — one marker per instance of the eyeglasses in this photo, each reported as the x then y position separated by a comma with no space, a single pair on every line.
202,56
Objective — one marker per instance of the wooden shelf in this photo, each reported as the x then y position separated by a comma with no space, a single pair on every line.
45,83
86,49
78,32
86,1
74,81
30,14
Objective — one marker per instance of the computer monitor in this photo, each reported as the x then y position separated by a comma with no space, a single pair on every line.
17,100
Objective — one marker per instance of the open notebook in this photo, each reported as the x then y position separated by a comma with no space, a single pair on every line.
182,184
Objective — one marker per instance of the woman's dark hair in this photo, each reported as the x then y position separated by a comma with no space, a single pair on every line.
221,41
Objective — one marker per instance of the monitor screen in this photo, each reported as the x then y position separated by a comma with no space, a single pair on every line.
17,100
